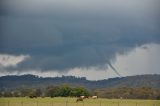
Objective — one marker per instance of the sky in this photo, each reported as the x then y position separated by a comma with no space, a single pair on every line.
96,39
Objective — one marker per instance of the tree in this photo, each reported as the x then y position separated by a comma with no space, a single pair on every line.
65,91
52,91
79,91
25,92
38,92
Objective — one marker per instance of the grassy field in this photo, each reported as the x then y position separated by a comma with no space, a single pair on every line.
59,101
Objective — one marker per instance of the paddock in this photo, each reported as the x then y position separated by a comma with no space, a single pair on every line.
61,101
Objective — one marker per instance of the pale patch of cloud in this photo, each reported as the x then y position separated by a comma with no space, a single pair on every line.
142,60
7,60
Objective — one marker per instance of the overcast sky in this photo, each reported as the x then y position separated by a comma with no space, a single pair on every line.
97,39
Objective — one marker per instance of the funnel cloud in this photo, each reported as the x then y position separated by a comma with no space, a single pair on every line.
114,70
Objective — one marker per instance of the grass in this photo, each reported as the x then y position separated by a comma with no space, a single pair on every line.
59,101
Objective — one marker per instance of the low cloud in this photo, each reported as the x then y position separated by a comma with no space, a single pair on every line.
12,60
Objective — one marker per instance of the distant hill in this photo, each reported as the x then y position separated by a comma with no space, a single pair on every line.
32,81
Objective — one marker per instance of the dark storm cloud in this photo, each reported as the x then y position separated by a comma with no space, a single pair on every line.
61,35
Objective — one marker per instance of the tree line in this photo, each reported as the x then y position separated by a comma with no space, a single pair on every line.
130,93
50,91
70,91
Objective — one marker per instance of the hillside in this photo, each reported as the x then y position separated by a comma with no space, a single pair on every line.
25,81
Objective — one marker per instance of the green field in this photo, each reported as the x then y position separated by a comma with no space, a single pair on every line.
59,101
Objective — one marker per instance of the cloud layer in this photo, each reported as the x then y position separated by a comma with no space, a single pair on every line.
62,35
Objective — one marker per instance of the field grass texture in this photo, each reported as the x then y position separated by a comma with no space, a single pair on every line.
59,101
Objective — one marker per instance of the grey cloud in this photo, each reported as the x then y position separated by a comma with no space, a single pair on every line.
62,38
